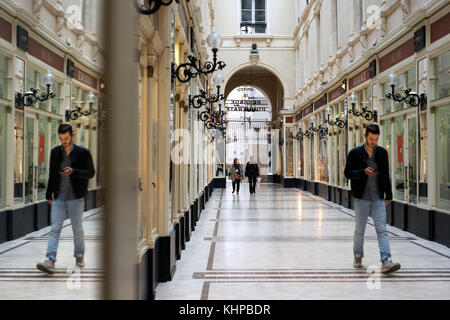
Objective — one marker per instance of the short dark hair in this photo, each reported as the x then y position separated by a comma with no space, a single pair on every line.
372,128
65,127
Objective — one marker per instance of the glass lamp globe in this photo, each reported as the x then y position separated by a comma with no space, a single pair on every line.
48,79
218,79
91,98
214,39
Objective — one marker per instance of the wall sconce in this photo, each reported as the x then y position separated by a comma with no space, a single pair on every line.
191,70
152,5
411,98
337,122
200,100
365,113
31,97
78,112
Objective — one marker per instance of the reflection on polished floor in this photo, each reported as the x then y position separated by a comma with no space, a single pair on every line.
19,278
289,244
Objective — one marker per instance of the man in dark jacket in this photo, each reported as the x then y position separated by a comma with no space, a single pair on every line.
252,172
368,169
71,167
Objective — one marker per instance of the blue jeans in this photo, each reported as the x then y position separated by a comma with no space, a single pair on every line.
60,209
378,211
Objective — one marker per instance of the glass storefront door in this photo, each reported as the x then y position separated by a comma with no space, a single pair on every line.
30,159
405,158
412,159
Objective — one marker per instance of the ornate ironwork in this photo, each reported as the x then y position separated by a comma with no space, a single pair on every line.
364,113
77,113
193,68
202,99
409,97
33,96
152,5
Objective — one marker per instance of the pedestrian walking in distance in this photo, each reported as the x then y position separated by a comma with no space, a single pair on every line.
236,175
252,173
367,168
71,167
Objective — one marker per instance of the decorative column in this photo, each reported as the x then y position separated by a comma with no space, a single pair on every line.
163,123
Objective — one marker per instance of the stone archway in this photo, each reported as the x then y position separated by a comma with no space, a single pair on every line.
262,78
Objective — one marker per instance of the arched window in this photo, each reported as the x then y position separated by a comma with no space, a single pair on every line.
253,16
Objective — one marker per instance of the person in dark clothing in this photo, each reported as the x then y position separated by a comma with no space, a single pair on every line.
71,167
252,172
367,167
236,175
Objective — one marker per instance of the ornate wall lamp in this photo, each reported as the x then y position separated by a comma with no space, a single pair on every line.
78,112
200,100
299,135
365,113
148,7
410,97
32,96
337,122
191,70
322,131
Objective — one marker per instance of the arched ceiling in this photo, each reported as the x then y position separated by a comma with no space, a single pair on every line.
262,79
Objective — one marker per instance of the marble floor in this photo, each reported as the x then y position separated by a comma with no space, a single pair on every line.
289,244
19,278
277,244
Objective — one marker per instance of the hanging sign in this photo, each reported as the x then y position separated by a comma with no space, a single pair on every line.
400,148
42,148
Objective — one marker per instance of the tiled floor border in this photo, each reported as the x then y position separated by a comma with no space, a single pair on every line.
207,283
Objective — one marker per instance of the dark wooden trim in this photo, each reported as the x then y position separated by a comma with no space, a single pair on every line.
418,221
289,183
441,227
143,277
399,215
166,259
322,190
21,222
42,218
182,233
187,229
220,183
177,228
4,231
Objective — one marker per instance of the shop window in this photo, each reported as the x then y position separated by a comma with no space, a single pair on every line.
399,174
4,62
42,157
323,157
386,108
411,80
3,153
54,137
18,157
289,152
301,163
38,81
442,157
442,75
31,81
423,155
253,16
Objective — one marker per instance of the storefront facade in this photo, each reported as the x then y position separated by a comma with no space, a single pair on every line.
30,59
415,136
